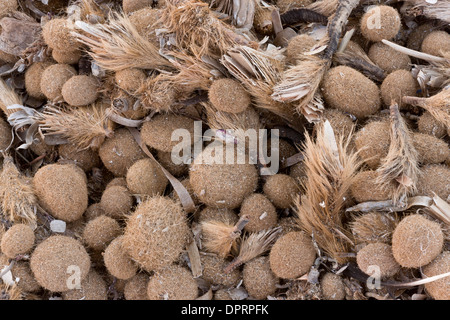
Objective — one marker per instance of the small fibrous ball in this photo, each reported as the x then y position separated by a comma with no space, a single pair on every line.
130,79
100,231
93,211
365,188
429,125
430,150
213,271
376,135
297,46
380,22
228,95
439,289
53,79
118,262
172,283
175,169
281,189
80,90
259,280
292,255
86,159
260,211
434,178
56,259
436,43
93,287
377,257
156,233
120,181
19,239
119,152
5,134
145,177
134,5
136,287
216,214
398,84
67,57
56,33
415,38
62,190
416,241
33,76
332,287
387,58
116,202
341,123
23,273
348,90
8,6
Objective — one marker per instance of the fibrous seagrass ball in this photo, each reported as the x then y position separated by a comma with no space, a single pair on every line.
145,177
156,233
372,141
33,76
8,6
365,188
436,43
216,214
130,79
172,283
100,231
430,150
439,289
134,5
26,281
434,178
292,255
93,211
19,239
380,22
62,190
59,262
118,262
281,190
348,90
116,202
213,266
80,90
288,224
86,159
56,33
332,286
228,95
387,58
175,169
120,181
119,152
377,258
341,123
136,287
145,21
297,46
260,211
429,125
259,280
416,241
415,38
67,57
157,132
397,84
93,287
53,79
221,184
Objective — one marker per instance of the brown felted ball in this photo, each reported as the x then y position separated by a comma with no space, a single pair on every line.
372,141
436,43
398,84
136,287
80,90
7,7
387,58
286,5
377,255
285,150
5,134
292,255
33,76
297,171
172,283
156,233
341,123
56,33
134,5
431,150
439,289
229,95
118,262
119,152
259,280
62,191
415,38
364,188
116,202
429,125
157,132
260,211
93,211
56,260
350,91
288,224
213,271
416,241
297,46
93,287
145,177
332,286
67,57
380,22
434,178
86,159
53,79
177,170
121,181
19,239
27,282
221,185
130,79
281,189
216,214
100,231
145,21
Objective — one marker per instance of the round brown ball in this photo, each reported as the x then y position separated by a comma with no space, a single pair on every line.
213,271
281,189
177,170
416,241
53,79
100,231
439,289
380,22
54,257
62,191
377,255
136,287
436,43
229,95
292,255
297,46
372,141
67,57
5,134
80,90
259,280
398,84
332,287
434,178
415,38
134,5
130,79
93,287
33,76
116,202
145,177
216,214
365,188
341,123
117,261
93,211
26,281
388,59
19,239
350,91
260,212
172,283
431,150
429,125
86,159
120,181
57,35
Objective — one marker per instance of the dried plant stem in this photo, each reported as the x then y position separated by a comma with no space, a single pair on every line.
8,97
414,53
